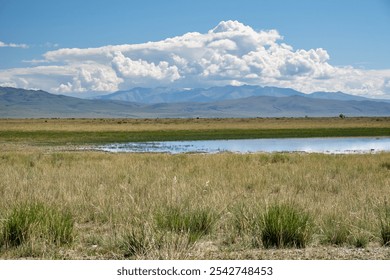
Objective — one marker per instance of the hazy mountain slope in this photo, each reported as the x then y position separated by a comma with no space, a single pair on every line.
336,96
170,95
20,103
265,106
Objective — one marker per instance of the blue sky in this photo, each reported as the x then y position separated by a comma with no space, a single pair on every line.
353,33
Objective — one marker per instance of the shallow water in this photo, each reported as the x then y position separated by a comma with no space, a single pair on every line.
344,145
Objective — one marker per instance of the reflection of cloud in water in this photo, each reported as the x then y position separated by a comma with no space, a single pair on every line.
316,145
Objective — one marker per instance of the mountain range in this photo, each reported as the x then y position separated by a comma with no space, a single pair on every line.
227,101
204,95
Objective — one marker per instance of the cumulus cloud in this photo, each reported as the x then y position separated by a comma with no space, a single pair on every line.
91,77
230,53
141,71
13,45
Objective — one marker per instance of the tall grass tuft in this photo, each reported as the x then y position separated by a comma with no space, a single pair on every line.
386,165
285,226
246,224
385,225
243,220
360,240
336,232
36,221
136,242
194,222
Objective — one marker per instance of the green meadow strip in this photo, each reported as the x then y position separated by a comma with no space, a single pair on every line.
93,137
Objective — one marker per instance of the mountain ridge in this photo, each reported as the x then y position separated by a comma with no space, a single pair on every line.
172,95
21,103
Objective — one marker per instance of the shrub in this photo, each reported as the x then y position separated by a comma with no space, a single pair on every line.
285,226
36,221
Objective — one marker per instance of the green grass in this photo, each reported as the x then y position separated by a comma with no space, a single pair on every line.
183,220
386,165
50,137
385,224
360,240
136,242
284,225
35,222
336,231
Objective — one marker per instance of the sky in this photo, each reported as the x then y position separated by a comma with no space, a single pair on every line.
95,47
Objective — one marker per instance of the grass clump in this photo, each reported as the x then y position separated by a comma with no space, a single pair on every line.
360,240
137,242
386,165
279,158
340,231
36,222
246,223
194,222
336,232
285,226
243,221
385,225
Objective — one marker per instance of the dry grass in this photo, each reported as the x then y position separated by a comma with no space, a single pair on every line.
117,201
93,125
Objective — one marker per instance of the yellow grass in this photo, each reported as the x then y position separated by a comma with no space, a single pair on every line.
114,199
186,124
118,201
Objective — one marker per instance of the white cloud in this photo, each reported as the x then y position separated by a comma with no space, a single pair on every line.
140,71
230,53
91,77
12,45
224,44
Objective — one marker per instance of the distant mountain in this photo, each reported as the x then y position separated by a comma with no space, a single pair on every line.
267,106
20,103
338,96
171,95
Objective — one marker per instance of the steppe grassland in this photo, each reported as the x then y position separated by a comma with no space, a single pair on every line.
184,206
68,132
140,205
187,124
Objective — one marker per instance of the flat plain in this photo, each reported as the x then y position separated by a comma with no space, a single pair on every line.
93,131
62,202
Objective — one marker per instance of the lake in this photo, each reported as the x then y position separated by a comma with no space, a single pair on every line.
343,145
